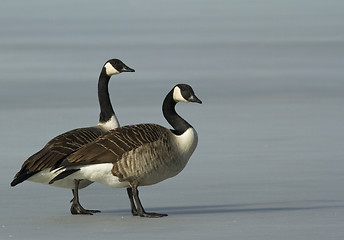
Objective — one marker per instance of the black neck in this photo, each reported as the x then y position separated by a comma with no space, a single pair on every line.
176,121
106,110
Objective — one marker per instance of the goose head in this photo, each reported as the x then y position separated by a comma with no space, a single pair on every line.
184,93
116,66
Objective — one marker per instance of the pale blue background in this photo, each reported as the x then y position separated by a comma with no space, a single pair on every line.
270,159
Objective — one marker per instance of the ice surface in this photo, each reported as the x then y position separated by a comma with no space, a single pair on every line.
269,164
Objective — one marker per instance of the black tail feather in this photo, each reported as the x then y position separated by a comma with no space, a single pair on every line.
21,177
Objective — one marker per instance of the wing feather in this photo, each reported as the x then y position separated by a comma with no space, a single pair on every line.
111,146
55,151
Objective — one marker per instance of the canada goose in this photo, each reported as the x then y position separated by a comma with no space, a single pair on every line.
39,167
137,155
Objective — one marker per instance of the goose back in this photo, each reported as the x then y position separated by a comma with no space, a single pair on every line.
144,153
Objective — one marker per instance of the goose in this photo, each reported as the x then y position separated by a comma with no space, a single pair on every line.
137,155
39,167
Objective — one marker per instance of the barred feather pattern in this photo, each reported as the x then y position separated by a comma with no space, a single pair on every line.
56,150
131,150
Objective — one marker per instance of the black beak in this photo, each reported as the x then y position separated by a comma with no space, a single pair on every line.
127,69
195,99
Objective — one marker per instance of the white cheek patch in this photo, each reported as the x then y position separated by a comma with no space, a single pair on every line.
110,70
177,95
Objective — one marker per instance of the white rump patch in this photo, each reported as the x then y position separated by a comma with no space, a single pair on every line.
46,175
112,123
110,70
177,95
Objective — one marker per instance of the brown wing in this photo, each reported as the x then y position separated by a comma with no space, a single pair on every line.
111,146
55,151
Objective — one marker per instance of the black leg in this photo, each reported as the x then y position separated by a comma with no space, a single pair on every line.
140,210
76,208
132,204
